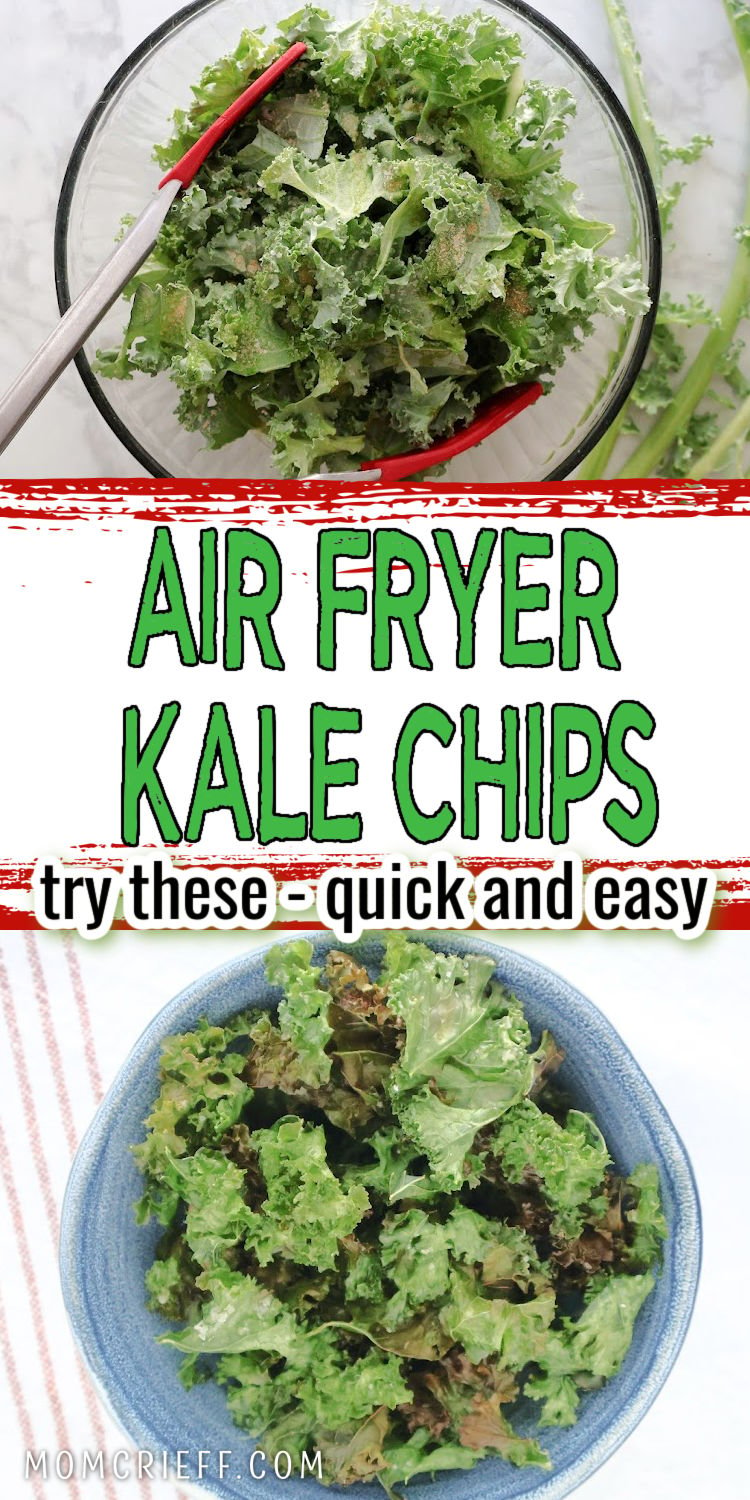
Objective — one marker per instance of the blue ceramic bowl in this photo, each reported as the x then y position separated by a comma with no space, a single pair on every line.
104,1254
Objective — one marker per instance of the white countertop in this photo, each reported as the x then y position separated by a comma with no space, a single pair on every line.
57,58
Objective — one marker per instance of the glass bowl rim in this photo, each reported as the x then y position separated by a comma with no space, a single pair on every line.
601,88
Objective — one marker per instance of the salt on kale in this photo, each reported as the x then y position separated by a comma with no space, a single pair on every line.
376,1262
389,240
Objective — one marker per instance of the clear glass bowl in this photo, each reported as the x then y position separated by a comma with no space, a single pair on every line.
111,173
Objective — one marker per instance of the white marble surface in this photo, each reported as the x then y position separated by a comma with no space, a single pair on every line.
57,56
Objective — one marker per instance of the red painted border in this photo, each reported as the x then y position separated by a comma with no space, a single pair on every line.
318,503
63,502
731,910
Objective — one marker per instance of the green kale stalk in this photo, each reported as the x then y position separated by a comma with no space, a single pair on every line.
683,435
734,435
383,1222
595,466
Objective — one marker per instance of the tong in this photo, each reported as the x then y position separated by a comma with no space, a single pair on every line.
136,245
111,279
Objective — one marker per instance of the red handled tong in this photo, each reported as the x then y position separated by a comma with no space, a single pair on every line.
109,281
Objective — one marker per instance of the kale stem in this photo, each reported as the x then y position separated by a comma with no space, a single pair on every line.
629,59
656,443
738,16
631,68
644,462
337,1323
735,431
597,463
651,452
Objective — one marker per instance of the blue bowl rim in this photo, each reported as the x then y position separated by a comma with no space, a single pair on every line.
560,1482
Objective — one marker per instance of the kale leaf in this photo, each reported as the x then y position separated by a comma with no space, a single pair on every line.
389,240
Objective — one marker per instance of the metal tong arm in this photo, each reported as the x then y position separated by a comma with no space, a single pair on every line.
83,315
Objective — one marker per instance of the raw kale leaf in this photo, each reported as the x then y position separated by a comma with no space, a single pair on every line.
388,241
